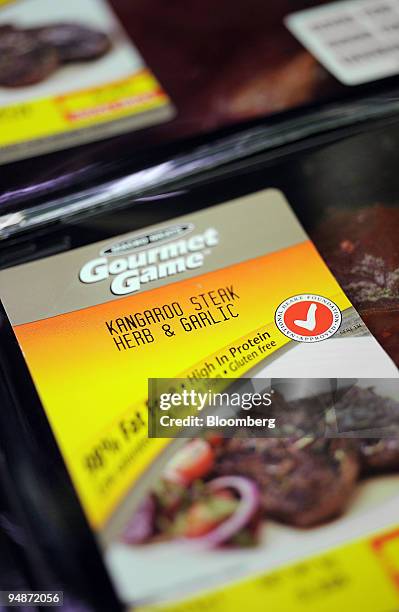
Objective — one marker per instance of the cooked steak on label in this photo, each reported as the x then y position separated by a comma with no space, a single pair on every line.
28,56
361,411
303,481
302,417
74,42
24,60
379,454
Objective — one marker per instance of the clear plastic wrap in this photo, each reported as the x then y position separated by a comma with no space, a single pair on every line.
30,207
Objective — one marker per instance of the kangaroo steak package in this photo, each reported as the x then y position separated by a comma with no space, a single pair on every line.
288,501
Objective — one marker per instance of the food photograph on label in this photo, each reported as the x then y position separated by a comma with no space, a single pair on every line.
199,305
30,56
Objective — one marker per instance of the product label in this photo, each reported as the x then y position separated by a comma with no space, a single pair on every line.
356,40
70,75
196,298
337,579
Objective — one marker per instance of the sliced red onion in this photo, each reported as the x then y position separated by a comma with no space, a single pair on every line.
141,525
248,505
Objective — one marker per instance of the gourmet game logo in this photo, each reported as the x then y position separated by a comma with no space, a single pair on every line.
145,263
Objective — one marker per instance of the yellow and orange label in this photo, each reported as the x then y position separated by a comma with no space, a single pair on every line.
42,118
88,383
362,575
105,318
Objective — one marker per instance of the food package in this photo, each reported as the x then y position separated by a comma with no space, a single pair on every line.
105,90
280,274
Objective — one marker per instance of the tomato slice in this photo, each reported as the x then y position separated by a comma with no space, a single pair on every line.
215,439
195,460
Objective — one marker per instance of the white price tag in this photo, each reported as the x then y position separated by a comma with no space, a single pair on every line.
356,40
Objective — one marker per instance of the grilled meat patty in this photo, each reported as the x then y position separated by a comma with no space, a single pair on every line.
379,455
24,60
74,42
303,481
28,56
366,413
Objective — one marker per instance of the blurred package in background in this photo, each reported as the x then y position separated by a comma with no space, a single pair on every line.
245,76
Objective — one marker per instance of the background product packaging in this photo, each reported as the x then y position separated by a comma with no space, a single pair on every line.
76,78
232,99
